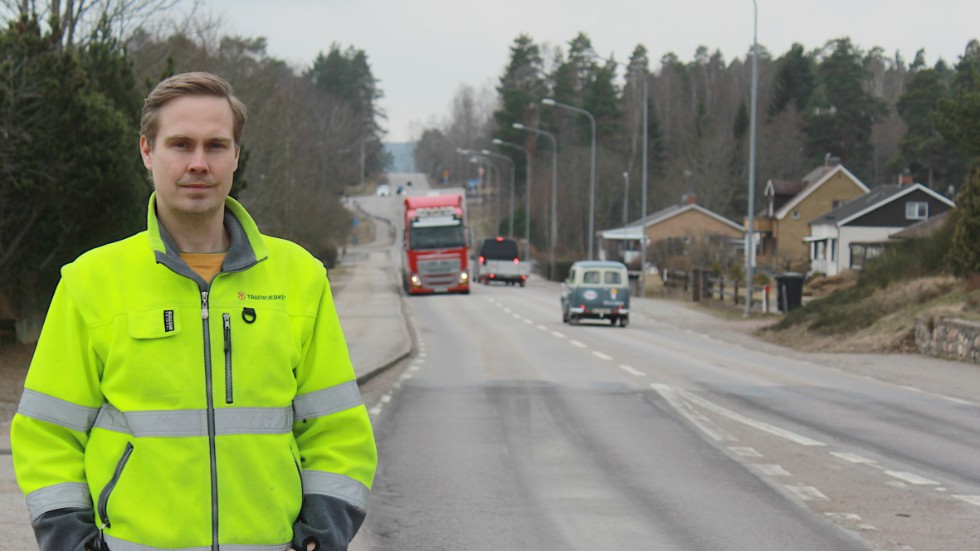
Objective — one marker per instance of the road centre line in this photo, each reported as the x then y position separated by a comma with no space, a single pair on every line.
759,425
807,493
601,356
557,334
853,458
577,343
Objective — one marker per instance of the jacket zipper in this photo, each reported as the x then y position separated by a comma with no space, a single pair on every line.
111,485
209,388
229,396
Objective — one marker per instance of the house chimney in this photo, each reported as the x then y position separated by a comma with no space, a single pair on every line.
689,199
830,161
905,178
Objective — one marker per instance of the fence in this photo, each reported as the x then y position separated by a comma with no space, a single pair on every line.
703,285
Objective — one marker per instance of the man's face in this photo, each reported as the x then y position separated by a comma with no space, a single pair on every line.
193,157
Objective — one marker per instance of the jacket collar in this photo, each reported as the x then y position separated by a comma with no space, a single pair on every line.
247,245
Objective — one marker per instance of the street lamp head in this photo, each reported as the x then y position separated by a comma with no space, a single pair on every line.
497,142
548,101
518,126
626,175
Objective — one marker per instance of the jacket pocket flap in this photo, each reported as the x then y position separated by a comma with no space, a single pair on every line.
154,324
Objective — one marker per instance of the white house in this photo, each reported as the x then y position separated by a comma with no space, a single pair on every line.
847,236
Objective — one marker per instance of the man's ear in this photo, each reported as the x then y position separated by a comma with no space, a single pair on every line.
146,152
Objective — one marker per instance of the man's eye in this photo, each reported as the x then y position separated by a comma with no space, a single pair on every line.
218,146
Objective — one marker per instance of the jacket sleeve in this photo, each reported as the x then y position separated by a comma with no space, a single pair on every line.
50,429
333,431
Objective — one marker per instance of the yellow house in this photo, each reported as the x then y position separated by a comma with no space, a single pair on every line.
792,204
688,221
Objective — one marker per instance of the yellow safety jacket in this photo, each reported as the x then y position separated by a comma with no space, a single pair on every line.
188,415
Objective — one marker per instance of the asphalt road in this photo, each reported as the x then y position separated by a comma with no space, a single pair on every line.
507,429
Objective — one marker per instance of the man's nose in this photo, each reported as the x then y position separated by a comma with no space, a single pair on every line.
198,161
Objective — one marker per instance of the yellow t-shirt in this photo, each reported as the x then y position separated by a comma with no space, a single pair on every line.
206,265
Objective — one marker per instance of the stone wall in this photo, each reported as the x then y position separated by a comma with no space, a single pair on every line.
951,338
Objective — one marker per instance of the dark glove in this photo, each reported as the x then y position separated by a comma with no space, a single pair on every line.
328,522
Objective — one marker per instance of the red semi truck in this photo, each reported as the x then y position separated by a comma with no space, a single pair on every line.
435,242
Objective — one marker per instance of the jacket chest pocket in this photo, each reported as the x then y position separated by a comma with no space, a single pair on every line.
256,352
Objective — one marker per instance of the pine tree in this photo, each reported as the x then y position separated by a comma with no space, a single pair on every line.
964,254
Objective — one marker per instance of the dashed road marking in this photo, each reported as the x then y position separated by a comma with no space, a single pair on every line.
771,469
542,327
577,343
601,356
912,478
632,370
807,493
744,451
557,334
853,458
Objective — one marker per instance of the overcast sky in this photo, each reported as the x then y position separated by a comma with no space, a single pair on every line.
422,51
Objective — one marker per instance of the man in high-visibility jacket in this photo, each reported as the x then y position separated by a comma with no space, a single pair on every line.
192,388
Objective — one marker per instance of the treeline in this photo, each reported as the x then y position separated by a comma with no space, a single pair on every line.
71,91
880,114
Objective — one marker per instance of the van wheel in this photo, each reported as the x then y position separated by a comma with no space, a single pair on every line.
624,321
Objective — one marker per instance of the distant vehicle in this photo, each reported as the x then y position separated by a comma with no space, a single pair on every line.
400,190
499,261
596,289
384,190
436,252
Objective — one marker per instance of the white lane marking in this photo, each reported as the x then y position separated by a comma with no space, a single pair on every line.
557,334
744,451
771,469
516,316
529,322
807,493
601,356
386,398
972,500
632,370
684,409
542,327
853,458
577,343
414,368
508,310
844,516
375,411
912,478
956,401
759,425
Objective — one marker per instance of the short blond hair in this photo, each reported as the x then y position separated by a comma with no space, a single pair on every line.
190,84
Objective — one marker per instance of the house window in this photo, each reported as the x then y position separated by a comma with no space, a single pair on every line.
796,215
836,203
916,210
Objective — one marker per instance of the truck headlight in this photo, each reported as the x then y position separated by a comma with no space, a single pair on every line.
464,278
415,280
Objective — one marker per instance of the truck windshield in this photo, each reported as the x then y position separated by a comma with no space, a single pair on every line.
437,237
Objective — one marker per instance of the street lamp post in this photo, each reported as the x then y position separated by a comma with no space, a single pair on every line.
512,169
626,196
750,234
527,194
554,192
552,103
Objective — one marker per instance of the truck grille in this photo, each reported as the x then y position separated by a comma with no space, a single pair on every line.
439,273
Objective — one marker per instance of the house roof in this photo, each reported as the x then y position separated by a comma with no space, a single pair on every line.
816,178
870,201
634,230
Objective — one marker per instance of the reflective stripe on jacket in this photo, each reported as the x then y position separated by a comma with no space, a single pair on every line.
189,415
